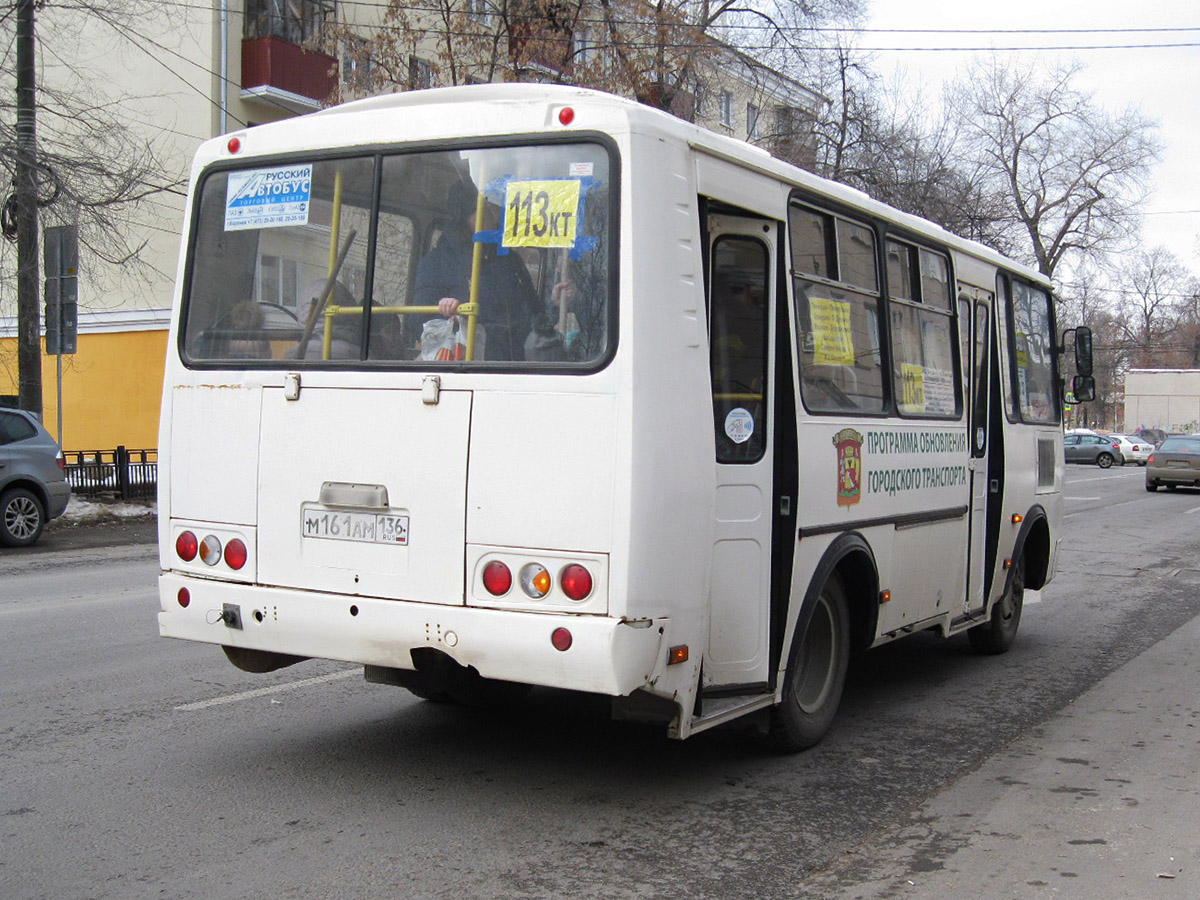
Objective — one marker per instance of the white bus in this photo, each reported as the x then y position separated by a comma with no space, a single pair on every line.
512,385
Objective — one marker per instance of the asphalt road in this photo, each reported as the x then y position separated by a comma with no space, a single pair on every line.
132,766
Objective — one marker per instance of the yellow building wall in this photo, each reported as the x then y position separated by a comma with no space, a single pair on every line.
111,389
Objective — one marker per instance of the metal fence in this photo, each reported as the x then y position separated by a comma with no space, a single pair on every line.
121,473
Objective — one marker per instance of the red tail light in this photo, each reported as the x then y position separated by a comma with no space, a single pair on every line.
186,546
61,460
561,639
497,578
235,554
576,581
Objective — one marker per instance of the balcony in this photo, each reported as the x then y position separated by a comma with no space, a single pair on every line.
282,74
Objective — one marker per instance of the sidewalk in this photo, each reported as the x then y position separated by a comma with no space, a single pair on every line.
88,524
1102,802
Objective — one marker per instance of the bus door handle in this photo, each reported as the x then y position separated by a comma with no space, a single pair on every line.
994,485
785,506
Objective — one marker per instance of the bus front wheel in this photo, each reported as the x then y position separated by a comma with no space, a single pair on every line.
997,634
815,676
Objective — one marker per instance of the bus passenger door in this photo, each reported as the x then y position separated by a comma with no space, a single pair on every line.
976,308
741,267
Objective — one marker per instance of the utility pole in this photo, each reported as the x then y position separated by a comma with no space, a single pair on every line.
25,190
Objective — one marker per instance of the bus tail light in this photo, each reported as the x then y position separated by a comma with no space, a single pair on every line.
186,546
184,597
497,578
561,639
210,550
235,554
535,581
576,581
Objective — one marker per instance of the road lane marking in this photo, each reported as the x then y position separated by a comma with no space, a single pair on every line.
1083,498
262,692
1188,512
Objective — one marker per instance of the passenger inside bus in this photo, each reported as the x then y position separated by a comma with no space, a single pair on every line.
508,304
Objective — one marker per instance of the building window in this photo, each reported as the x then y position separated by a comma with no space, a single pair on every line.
356,66
420,73
752,121
294,21
479,10
585,50
727,109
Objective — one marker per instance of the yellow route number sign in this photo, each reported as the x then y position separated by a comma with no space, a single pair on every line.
541,213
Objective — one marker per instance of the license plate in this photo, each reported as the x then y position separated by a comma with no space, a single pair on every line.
367,528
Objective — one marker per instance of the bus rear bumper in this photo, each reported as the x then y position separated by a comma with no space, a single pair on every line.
606,655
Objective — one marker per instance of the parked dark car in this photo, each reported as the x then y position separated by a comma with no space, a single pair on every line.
1099,449
33,482
1175,462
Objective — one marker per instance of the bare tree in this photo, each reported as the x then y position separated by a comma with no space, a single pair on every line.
654,51
1158,311
1072,176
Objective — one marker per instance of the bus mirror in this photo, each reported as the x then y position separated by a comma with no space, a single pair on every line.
1083,388
1083,351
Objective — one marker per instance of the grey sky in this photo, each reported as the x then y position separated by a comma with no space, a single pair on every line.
1163,82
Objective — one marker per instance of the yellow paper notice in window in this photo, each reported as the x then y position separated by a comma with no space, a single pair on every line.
541,213
912,381
833,344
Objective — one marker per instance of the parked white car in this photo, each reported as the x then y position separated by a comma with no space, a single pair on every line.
1133,448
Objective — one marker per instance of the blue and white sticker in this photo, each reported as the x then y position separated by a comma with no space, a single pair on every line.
268,198
739,425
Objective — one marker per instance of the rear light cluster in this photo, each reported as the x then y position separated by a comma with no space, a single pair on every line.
536,581
210,550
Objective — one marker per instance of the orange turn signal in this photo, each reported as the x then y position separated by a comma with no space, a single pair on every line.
677,655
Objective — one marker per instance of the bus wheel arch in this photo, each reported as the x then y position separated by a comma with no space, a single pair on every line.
1028,568
834,619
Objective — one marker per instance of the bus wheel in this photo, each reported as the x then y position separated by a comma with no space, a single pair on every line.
815,677
998,633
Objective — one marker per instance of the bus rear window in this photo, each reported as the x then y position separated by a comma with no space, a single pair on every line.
489,257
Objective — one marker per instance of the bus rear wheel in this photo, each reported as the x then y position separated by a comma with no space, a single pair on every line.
998,633
815,676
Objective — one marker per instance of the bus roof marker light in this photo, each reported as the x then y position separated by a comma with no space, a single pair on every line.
234,145
566,115
561,639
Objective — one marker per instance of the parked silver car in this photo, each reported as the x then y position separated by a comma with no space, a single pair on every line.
33,481
1092,448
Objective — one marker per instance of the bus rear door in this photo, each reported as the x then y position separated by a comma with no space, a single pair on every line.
742,294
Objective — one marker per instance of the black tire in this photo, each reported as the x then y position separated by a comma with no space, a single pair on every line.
1151,486
998,633
1105,460
22,518
816,675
